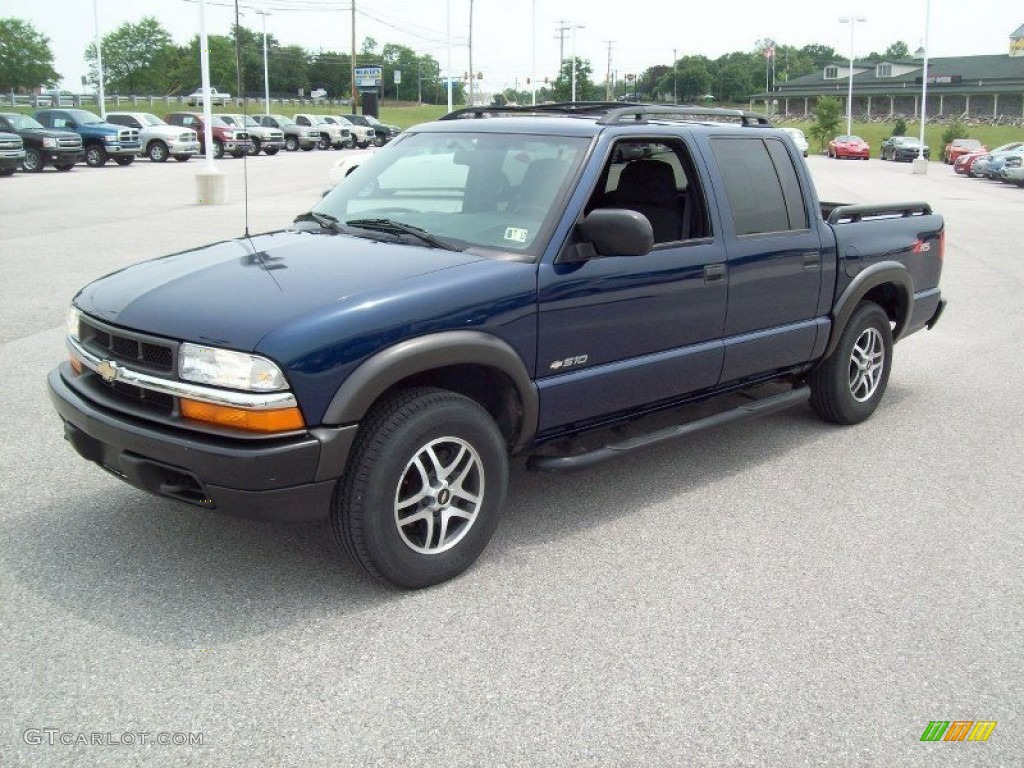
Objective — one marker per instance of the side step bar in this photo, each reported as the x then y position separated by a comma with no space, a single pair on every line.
757,408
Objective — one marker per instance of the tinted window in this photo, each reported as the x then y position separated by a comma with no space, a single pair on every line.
753,186
790,184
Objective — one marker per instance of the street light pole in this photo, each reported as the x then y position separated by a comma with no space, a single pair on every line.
921,164
266,71
675,98
574,28
852,21
99,64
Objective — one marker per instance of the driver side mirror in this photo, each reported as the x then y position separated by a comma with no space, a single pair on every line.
612,232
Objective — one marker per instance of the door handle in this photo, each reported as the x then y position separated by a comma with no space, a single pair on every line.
714,273
812,259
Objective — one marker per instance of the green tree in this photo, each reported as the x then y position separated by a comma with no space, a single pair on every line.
955,130
136,58
26,61
585,88
693,79
899,128
827,118
184,72
897,50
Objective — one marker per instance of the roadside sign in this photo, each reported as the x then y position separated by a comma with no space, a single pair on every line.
369,77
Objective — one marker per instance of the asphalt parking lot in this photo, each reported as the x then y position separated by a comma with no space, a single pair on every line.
777,593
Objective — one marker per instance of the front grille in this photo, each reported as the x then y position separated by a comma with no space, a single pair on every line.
187,137
10,144
155,354
1013,162
156,400
128,134
75,143
241,135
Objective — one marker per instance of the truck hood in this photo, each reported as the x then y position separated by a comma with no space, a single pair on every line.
48,133
245,288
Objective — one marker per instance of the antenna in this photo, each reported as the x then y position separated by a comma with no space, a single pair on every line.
245,114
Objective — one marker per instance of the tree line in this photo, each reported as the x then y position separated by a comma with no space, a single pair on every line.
142,59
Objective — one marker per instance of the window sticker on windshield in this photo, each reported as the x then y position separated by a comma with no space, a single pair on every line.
516,234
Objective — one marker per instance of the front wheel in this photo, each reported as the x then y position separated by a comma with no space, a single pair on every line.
378,140
424,489
291,144
33,161
324,143
848,385
158,152
125,159
270,151
95,156
254,147
218,150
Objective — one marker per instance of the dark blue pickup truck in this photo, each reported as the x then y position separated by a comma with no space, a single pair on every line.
567,282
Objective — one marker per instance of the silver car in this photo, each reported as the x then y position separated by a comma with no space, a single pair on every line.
263,138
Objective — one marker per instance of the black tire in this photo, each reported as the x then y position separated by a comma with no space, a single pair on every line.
95,156
7,171
33,161
64,167
350,144
218,149
291,143
325,143
270,151
310,148
158,152
441,430
239,153
255,145
124,159
183,158
378,140
848,385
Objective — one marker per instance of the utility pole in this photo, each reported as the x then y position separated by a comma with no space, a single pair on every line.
608,73
562,29
353,57
675,98
472,76
574,28
266,75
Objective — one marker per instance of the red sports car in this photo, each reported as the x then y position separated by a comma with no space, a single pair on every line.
849,146
958,147
964,162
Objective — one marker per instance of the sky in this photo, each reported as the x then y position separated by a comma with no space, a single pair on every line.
510,35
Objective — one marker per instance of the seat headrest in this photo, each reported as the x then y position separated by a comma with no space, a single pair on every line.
647,182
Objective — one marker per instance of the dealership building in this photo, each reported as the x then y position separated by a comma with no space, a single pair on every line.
977,87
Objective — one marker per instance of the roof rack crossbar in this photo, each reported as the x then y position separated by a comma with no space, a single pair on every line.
612,112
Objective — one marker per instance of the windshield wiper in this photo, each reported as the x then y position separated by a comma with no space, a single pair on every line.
392,227
325,220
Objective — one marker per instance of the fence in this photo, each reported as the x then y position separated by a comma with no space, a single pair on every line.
115,101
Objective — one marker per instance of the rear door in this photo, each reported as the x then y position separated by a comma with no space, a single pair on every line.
774,256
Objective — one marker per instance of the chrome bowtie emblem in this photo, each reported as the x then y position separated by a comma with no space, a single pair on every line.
107,370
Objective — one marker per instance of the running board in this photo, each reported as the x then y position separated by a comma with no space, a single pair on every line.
757,408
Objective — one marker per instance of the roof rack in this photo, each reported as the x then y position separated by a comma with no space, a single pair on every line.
612,112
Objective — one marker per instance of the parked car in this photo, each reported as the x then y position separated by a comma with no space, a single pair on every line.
159,139
849,146
958,147
994,167
382,132
331,134
220,98
362,135
987,164
12,152
471,295
798,138
268,140
965,163
347,163
296,136
61,149
903,149
1012,171
101,140
227,139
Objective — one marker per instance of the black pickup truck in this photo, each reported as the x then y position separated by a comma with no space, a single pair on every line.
495,283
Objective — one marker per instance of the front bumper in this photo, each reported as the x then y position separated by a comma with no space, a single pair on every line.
121,150
176,148
288,479
63,157
10,160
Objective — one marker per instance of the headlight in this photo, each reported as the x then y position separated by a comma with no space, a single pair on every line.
111,139
49,142
74,322
229,135
223,368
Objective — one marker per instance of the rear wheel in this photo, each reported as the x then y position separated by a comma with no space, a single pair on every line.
124,159
182,158
424,488
64,167
848,385
255,147
378,140
270,151
33,161
218,150
7,171
238,153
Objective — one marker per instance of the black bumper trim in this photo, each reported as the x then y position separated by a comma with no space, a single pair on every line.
281,480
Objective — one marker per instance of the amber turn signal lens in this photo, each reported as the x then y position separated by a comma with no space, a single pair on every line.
76,364
278,420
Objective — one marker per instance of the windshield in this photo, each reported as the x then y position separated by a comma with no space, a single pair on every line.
82,117
23,123
477,189
147,119
249,122
227,119
283,121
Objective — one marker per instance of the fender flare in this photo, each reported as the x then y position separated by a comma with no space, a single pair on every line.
881,273
384,369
